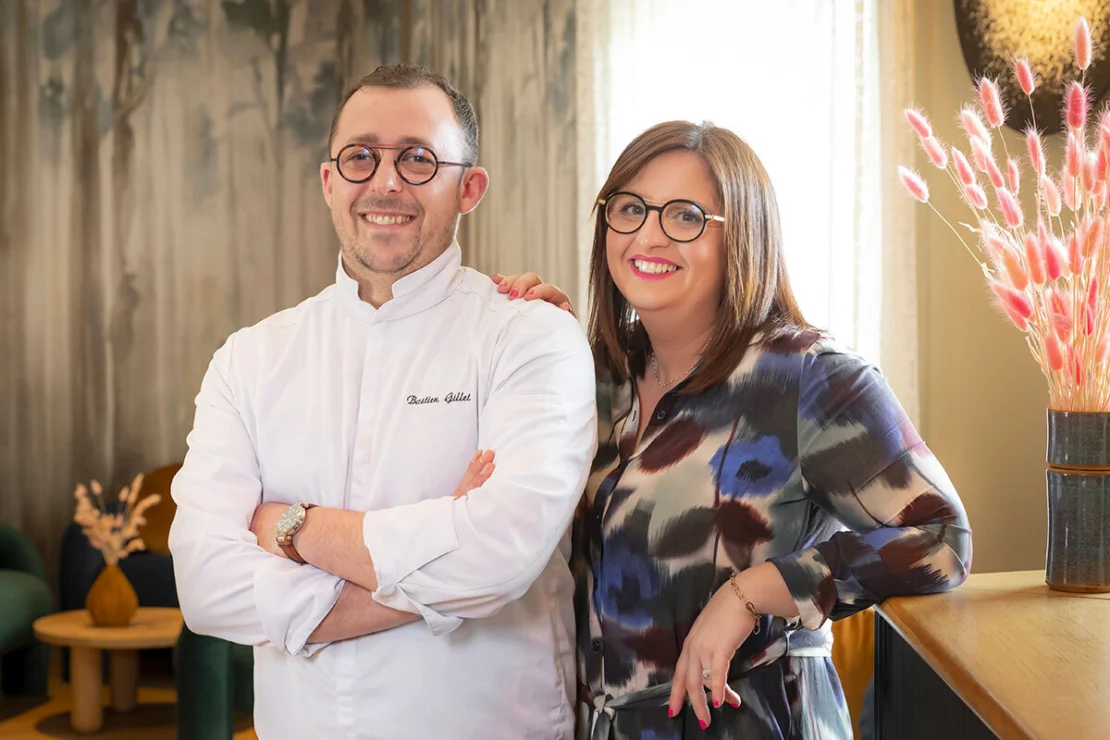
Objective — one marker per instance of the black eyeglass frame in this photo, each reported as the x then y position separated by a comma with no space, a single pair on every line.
707,216
375,153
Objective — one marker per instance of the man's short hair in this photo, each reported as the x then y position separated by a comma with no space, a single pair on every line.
411,76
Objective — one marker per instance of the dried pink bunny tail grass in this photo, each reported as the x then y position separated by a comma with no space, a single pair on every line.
1073,158
1013,175
973,125
963,168
913,184
1102,163
1054,353
1034,258
1082,44
1094,235
1075,254
1051,195
1024,74
1104,151
1080,236
1036,150
1015,303
919,121
994,242
1053,259
984,161
935,152
975,196
980,154
1017,320
1077,105
991,102
1008,204
1062,251
1090,172
1059,315
1069,187
995,175
1102,351
1011,262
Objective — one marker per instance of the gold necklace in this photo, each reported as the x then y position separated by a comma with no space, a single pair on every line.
655,371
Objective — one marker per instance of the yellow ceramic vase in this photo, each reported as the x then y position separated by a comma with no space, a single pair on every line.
111,601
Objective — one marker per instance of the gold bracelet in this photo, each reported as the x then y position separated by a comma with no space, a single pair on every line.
749,605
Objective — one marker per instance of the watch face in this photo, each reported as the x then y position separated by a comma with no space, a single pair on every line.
289,520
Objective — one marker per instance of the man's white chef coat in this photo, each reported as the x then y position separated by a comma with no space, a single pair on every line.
335,403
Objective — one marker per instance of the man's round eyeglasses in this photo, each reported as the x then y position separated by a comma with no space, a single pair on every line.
681,220
416,165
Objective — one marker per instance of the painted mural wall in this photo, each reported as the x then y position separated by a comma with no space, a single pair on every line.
159,189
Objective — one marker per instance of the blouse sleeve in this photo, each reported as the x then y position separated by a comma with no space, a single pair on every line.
863,463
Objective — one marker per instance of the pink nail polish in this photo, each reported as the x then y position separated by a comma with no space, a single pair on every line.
670,712
703,723
716,703
513,294
530,292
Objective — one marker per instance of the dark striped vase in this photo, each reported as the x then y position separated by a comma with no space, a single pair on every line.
1078,480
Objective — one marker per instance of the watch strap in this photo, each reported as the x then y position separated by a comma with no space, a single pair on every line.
288,547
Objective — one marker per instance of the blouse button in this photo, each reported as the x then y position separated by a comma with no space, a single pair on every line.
595,644
660,414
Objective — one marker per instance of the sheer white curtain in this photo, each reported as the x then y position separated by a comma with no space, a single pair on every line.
816,88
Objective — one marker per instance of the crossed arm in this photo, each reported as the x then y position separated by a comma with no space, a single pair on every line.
331,540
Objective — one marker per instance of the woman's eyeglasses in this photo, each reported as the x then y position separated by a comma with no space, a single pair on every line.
681,220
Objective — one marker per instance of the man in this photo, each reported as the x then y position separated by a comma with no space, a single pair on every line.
335,432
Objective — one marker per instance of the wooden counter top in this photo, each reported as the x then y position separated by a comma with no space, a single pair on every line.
1032,663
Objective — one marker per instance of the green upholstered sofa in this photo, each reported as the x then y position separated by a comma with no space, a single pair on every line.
24,597
215,678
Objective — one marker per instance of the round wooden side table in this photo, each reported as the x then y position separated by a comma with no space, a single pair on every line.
151,627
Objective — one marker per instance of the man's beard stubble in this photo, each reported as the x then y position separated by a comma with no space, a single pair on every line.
436,235
400,262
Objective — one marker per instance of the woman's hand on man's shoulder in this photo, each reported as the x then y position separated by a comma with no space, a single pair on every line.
531,287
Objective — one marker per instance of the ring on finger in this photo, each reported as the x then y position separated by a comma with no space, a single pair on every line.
706,675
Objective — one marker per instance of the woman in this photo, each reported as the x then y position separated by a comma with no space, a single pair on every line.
753,479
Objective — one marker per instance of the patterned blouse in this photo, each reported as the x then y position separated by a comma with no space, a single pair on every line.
804,458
